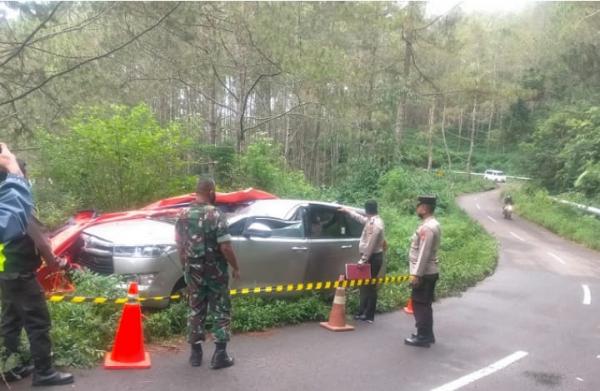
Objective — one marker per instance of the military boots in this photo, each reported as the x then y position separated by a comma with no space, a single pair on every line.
220,358
51,377
196,356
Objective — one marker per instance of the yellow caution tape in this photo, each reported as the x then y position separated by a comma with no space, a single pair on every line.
280,288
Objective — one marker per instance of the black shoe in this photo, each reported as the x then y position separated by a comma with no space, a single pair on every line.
18,373
360,317
418,340
429,339
220,358
196,356
51,377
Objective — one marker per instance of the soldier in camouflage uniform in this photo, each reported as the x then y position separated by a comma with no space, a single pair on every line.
205,251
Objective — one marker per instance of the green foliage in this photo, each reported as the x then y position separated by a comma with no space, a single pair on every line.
535,204
166,323
261,166
565,150
116,158
589,181
359,181
82,333
519,122
258,313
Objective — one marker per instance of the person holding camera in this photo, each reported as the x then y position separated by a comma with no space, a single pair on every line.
15,197
23,299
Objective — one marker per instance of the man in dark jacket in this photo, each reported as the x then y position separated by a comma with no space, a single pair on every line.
15,197
24,303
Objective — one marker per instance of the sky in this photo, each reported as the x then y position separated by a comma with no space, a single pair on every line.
437,7
434,7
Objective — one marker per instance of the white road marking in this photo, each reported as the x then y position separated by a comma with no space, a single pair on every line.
598,356
559,259
491,218
478,207
578,378
470,378
517,236
587,295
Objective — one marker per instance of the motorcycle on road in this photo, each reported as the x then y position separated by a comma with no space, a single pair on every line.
507,211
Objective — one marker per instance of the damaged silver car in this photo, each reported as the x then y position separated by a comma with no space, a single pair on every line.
276,241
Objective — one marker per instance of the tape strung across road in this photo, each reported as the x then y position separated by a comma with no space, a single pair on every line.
280,288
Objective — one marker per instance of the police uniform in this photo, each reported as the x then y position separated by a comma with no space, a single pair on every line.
371,248
424,265
199,231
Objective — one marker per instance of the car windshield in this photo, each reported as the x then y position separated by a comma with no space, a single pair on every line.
279,209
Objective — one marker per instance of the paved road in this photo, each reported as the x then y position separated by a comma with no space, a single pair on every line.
531,313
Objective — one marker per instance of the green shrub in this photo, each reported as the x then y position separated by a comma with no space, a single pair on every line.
116,158
570,222
261,166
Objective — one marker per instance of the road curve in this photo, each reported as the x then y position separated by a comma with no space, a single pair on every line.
533,325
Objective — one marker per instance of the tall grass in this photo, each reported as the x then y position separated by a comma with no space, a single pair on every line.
572,223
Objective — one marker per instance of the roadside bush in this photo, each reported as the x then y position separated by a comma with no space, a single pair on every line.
567,221
82,332
261,166
116,158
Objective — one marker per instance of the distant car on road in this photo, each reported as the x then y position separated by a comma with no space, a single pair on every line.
495,175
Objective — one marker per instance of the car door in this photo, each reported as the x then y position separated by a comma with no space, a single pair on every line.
332,242
278,258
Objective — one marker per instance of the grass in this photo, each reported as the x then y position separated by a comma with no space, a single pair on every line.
535,205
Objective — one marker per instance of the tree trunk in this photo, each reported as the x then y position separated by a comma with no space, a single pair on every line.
473,127
444,137
460,126
430,135
489,131
212,109
408,34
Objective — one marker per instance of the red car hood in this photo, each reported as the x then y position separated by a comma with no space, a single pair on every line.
63,239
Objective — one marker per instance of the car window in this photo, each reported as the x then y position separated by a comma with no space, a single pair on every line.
327,223
282,228
237,228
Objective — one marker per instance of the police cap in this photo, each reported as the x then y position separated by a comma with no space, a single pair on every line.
427,199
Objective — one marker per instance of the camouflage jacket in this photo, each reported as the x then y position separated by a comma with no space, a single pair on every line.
198,232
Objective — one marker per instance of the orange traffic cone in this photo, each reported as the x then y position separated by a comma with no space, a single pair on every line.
337,316
409,307
128,351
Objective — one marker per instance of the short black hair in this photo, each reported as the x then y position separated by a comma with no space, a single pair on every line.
205,185
371,207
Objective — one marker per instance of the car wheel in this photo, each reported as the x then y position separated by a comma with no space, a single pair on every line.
180,288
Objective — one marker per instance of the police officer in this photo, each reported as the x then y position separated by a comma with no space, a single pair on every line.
371,248
205,251
24,304
424,271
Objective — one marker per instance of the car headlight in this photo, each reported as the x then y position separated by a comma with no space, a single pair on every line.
143,280
141,251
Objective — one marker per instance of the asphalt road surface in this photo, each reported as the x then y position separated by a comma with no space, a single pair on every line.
533,325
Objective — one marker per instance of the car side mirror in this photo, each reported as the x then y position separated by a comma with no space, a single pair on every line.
258,230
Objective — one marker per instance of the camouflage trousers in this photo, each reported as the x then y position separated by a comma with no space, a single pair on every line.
210,308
